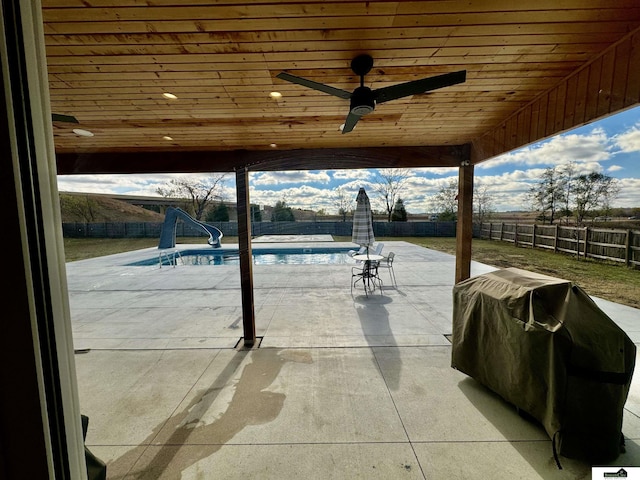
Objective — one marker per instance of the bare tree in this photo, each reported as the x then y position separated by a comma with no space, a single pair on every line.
446,201
568,173
197,192
389,184
483,204
608,195
343,201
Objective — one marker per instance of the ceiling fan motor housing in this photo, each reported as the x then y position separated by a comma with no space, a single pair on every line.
362,101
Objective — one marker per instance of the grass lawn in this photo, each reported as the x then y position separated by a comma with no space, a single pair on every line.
83,248
610,281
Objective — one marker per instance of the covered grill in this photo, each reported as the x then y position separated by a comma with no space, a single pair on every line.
543,345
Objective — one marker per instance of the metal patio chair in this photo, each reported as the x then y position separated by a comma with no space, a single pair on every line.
368,275
387,263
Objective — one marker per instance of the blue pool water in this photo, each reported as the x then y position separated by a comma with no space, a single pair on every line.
261,256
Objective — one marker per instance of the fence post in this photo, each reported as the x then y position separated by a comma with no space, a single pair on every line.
627,249
533,237
515,237
555,240
501,230
586,241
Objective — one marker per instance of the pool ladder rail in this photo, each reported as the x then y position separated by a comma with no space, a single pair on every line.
169,256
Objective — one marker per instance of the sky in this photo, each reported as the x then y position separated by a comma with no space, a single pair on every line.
610,146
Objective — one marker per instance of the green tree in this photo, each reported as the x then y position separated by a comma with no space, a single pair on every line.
219,213
80,206
548,195
399,213
592,190
282,212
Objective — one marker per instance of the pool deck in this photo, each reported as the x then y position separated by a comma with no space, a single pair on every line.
342,386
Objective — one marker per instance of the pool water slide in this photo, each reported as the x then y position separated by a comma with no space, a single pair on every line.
168,234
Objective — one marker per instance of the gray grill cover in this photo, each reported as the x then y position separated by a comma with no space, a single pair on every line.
543,345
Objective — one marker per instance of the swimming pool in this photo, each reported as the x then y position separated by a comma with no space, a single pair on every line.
261,256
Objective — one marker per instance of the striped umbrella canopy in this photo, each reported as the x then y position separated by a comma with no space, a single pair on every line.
363,221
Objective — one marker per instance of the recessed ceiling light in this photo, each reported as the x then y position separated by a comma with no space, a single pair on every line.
275,94
167,137
170,96
273,145
82,132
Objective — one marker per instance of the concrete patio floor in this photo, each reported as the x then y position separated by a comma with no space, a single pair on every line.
342,386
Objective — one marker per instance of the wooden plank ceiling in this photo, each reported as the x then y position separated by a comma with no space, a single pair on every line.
110,61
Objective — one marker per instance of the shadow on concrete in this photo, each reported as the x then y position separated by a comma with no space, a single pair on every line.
374,319
504,417
251,404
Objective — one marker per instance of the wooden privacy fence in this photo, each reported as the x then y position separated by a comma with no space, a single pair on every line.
602,243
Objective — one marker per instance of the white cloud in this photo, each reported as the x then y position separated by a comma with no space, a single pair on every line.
435,170
304,197
429,183
294,176
629,141
629,195
614,168
559,150
124,184
352,174
509,190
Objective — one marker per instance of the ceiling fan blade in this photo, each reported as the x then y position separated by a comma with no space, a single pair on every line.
350,122
57,117
337,92
419,86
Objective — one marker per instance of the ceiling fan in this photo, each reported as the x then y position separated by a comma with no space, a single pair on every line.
364,100
61,118
58,117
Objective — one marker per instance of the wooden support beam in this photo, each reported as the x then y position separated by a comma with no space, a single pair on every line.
246,257
260,160
464,227
607,84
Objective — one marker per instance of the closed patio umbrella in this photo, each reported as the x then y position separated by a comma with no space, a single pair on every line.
363,221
